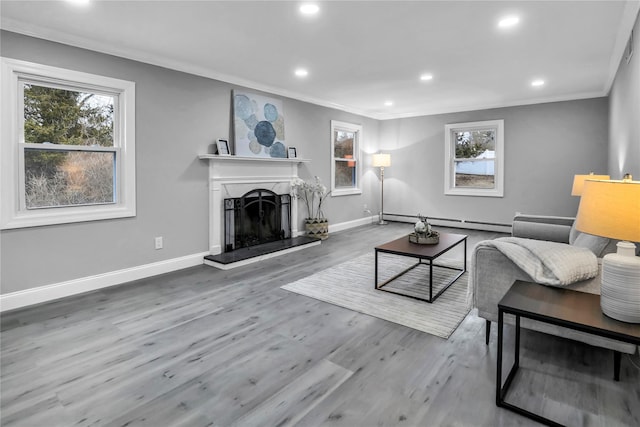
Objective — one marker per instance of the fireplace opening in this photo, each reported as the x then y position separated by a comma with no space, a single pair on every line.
260,216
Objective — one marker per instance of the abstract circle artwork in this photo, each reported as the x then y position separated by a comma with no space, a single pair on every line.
258,125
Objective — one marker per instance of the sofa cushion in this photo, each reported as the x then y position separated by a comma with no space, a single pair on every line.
595,244
573,233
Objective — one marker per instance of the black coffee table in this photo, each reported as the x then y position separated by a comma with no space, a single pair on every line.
404,247
563,307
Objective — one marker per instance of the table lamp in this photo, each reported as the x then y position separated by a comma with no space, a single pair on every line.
381,161
612,209
578,182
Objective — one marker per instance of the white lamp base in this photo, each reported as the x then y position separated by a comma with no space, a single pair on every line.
620,291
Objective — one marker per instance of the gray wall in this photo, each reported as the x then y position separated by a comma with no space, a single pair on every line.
545,145
178,116
624,115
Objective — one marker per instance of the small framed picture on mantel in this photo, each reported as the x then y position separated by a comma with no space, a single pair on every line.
291,153
223,147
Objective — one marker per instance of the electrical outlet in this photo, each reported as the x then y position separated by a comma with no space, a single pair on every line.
364,208
159,242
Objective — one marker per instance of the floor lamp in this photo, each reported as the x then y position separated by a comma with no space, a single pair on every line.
381,161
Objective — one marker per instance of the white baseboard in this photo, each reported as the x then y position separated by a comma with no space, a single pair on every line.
334,228
19,299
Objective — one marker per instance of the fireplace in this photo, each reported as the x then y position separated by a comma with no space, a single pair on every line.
259,216
264,184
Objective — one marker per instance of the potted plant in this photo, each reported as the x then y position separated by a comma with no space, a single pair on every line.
313,194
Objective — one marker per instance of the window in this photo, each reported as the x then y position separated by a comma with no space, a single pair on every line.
68,146
474,158
345,158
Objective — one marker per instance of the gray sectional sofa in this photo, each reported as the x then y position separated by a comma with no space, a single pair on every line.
492,274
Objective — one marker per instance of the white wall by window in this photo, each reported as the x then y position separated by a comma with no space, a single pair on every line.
14,212
345,171
494,160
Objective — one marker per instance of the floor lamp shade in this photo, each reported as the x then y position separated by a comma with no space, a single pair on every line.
381,160
612,209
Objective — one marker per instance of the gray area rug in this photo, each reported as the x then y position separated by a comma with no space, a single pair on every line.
350,285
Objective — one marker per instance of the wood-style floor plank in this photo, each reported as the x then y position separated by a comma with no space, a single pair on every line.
206,347
290,404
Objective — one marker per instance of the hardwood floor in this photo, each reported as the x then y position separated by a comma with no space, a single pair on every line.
206,347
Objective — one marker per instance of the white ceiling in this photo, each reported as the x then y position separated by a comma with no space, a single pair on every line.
359,53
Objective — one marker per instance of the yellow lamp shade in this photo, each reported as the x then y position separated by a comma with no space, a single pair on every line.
578,182
610,209
381,160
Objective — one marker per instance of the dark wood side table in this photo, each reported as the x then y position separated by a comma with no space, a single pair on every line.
563,307
404,247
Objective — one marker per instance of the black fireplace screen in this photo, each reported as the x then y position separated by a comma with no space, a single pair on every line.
260,216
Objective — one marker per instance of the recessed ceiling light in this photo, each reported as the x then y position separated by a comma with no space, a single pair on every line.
426,77
508,21
309,9
301,72
79,2
537,83
388,103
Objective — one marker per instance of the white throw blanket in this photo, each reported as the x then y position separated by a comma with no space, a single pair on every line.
551,263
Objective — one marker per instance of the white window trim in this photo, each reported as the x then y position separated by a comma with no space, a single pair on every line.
450,150
357,129
15,215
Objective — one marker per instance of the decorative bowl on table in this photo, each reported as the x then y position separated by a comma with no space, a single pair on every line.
421,239
422,233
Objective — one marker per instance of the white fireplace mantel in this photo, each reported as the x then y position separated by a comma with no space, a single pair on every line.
234,176
255,160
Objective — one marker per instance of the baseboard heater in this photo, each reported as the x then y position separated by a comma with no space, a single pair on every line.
462,223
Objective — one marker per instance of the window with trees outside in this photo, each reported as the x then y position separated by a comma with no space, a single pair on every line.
475,158
68,153
345,158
